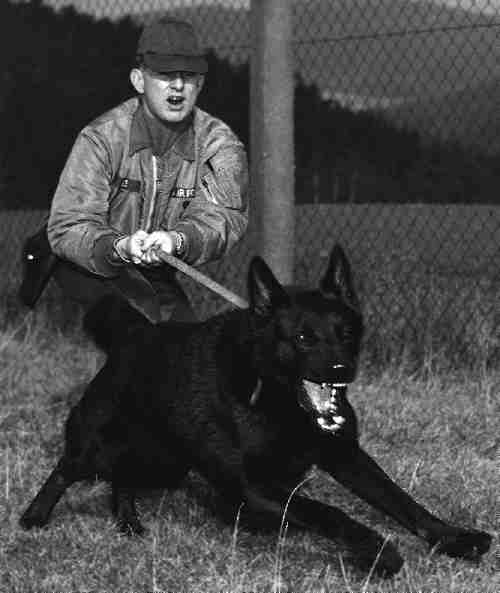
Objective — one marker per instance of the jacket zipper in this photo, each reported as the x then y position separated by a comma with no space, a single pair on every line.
152,202
211,197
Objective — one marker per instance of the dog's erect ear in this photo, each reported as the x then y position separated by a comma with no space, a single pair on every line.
337,280
265,292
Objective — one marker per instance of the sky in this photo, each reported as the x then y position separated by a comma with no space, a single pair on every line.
105,7
121,7
491,6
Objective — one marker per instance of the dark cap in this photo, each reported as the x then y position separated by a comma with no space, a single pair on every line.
170,45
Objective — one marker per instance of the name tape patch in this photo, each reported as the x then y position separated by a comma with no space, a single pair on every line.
183,193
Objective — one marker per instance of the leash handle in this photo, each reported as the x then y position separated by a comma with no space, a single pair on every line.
196,275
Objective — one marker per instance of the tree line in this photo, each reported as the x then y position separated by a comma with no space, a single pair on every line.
60,69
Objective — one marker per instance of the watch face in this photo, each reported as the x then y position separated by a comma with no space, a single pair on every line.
179,243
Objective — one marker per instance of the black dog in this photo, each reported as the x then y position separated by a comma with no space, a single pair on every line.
251,399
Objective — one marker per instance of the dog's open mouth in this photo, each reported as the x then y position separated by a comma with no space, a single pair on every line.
323,400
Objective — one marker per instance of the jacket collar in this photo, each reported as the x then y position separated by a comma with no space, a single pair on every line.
140,139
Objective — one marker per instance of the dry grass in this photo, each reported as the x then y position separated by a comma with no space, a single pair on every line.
435,431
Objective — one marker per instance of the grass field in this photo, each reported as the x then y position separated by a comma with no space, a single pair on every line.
435,431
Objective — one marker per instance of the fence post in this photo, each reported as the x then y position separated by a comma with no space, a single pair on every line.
271,134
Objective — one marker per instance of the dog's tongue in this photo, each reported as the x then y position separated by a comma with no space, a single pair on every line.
323,399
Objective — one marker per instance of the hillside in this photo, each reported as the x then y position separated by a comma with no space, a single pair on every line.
395,48
470,116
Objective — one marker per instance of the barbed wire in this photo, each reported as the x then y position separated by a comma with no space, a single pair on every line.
390,34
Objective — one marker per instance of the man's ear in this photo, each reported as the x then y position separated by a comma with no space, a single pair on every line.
201,82
137,80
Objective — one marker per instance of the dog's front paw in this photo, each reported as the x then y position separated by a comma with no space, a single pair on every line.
384,563
470,545
389,562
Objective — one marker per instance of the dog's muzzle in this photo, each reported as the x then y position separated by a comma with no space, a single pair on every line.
325,402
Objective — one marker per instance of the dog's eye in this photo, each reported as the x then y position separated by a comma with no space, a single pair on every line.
306,338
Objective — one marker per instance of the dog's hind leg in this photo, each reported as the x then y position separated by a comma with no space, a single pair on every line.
38,512
358,472
150,466
124,510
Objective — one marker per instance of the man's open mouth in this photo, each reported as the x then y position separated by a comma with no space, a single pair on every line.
175,101
323,400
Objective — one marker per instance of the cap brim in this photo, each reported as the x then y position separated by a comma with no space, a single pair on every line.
164,64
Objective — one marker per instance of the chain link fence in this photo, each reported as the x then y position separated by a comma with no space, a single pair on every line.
397,156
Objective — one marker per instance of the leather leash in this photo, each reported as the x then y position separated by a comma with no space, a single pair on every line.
196,275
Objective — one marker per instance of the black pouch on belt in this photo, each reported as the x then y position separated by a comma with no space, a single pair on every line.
38,265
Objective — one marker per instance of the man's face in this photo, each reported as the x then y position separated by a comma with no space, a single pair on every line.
170,97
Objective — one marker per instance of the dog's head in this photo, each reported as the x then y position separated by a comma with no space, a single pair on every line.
311,338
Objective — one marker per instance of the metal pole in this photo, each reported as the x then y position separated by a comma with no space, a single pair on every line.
271,136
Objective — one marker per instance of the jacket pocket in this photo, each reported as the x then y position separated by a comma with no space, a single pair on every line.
220,187
122,187
125,205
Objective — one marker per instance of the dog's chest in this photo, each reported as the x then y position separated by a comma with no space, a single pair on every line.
273,448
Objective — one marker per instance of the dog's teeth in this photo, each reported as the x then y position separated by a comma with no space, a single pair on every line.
324,424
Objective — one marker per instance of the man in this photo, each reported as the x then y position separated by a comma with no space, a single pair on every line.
154,173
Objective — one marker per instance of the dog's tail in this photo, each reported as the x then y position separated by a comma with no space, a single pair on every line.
111,321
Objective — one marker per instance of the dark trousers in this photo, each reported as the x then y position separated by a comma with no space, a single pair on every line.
150,289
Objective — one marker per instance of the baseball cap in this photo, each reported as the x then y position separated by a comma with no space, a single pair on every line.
171,45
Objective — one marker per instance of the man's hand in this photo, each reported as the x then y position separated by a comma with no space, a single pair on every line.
131,248
142,248
158,241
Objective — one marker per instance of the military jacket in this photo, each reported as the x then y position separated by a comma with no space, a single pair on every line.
113,185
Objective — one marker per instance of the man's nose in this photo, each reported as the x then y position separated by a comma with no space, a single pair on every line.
177,81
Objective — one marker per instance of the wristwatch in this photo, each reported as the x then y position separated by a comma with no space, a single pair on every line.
180,243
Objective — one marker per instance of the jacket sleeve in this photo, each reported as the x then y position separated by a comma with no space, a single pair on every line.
78,227
218,217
